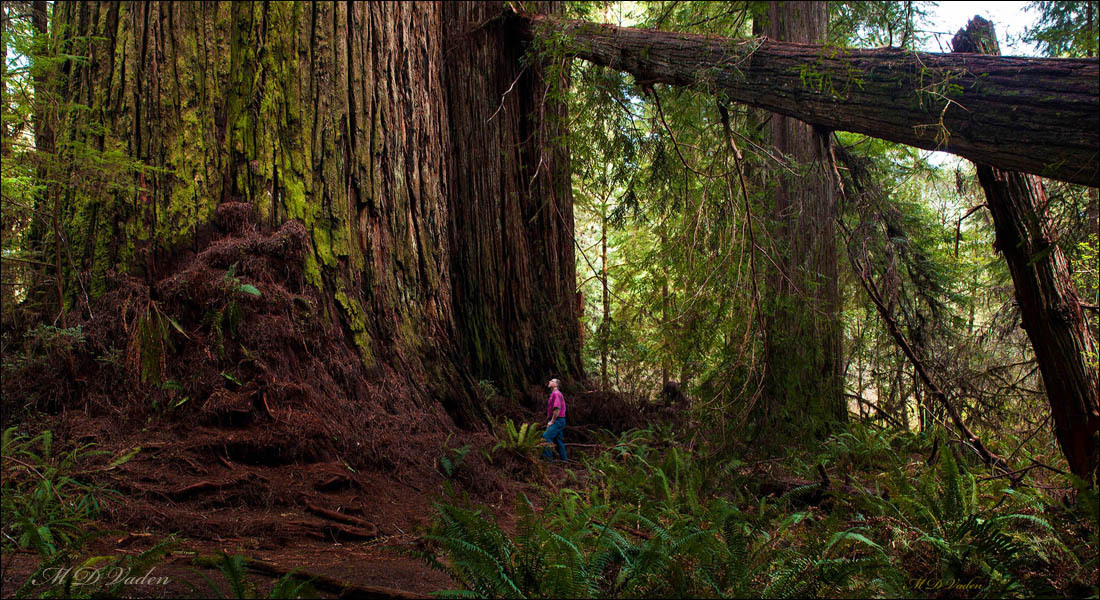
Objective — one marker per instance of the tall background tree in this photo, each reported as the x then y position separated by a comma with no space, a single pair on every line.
802,332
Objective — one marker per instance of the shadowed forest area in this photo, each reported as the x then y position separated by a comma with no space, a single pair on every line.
287,287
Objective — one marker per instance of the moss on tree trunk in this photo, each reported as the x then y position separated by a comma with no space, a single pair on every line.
365,122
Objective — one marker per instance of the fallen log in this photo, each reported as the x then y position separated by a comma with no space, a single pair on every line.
330,531
336,531
816,492
1036,115
333,483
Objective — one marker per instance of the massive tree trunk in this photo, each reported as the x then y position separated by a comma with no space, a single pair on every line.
513,271
1037,115
803,336
439,239
1049,305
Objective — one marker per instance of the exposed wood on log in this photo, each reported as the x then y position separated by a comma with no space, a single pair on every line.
1037,115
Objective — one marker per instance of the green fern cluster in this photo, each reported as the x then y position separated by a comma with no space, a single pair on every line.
651,523
647,518
866,446
45,507
521,440
1087,518
944,527
584,551
452,458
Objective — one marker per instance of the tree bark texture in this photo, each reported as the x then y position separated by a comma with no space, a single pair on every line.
437,248
1049,304
1037,115
513,270
803,335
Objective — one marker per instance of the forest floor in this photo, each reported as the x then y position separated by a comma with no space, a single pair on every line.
219,406
218,491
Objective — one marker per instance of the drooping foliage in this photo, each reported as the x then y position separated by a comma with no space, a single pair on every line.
689,247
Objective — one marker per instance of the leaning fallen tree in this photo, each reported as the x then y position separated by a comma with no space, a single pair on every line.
1050,309
1037,115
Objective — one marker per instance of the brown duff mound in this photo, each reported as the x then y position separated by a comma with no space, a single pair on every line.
243,394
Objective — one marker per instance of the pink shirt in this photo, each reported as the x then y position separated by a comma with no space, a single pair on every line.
556,400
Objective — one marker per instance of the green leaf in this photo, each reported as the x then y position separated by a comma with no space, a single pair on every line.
249,289
177,326
125,456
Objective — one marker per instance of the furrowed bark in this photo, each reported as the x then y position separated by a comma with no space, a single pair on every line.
1049,304
803,339
440,238
510,206
1037,115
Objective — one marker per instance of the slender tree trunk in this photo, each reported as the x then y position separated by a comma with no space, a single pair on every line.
1049,305
1037,115
605,323
664,332
7,227
440,230
43,129
804,367
44,144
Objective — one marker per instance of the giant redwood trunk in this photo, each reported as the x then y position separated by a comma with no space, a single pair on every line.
1037,115
511,206
439,240
1049,304
803,336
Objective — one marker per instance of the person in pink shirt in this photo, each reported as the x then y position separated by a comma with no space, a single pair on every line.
555,422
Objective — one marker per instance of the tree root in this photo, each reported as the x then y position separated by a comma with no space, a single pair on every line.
344,589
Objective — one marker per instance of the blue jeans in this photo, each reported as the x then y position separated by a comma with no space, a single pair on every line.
553,435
